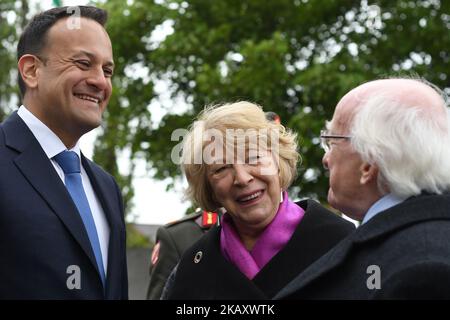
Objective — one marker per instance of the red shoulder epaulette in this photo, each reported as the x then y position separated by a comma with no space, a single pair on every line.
209,218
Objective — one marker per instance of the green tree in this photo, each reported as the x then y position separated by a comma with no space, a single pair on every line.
12,18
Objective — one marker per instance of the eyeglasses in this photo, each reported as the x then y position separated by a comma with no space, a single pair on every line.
325,139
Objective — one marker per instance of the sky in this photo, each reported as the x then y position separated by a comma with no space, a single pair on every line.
152,203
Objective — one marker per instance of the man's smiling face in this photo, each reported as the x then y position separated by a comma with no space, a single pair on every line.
74,78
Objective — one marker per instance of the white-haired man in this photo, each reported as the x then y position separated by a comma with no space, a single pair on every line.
388,155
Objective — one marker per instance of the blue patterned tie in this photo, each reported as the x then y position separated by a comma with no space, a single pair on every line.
70,163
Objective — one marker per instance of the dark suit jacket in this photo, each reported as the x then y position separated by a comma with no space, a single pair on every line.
174,239
410,243
41,231
216,278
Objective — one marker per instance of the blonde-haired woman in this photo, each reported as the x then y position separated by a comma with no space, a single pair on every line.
237,160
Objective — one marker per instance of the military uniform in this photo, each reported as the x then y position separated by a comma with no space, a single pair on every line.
172,240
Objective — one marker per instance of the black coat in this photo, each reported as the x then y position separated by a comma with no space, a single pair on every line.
174,239
214,277
409,244
41,232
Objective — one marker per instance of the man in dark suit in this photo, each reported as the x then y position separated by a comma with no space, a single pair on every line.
62,230
388,155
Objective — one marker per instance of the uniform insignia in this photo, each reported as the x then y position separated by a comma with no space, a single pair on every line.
155,253
209,218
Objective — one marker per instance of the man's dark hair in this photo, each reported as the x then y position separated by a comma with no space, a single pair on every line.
34,37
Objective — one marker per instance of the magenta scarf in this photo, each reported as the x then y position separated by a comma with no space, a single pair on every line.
276,235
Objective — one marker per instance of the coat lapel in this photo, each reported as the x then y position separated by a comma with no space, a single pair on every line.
40,173
329,261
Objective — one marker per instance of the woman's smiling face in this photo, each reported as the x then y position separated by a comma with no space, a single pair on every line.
250,191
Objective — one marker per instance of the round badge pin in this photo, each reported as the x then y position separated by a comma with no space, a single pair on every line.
198,257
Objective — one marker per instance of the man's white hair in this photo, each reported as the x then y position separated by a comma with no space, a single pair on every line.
411,147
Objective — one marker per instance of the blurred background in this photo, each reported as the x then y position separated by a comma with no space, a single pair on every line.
173,57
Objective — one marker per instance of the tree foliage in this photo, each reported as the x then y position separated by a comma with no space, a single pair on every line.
12,18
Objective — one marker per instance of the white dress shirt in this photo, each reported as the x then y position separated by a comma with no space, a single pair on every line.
52,146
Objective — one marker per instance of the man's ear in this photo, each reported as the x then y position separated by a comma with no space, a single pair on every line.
369,173
28,67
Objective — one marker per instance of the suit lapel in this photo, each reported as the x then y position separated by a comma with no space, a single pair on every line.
332,259
40,173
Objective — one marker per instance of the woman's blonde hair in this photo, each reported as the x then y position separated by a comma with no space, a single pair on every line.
241,115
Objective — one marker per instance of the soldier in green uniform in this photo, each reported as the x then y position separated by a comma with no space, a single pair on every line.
171,241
